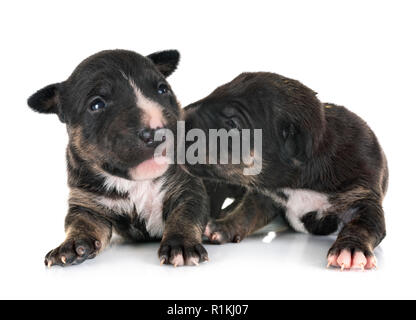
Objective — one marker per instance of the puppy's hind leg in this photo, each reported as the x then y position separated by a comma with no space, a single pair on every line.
218,192
357,239
320,226
251,213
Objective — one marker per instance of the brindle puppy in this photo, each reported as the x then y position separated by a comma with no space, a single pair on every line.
321,164
112,104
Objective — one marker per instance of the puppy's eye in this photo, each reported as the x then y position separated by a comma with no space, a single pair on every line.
232,124
97,104
290,131
162,88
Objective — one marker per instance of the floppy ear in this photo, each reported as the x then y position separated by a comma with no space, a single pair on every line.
47,100
298,144
165,61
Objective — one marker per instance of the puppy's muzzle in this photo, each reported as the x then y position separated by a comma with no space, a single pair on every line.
147,135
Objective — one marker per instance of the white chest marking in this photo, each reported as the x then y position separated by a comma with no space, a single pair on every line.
145,196
302,201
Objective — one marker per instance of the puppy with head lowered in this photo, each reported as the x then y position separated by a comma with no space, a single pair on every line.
112,105
322,166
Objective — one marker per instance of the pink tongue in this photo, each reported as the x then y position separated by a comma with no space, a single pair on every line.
149,169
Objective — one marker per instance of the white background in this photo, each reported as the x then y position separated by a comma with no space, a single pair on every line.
360,54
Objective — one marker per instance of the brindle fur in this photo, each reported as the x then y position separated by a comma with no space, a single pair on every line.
307,145
106,145
247,215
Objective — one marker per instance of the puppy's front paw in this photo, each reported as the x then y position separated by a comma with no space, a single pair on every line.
73,251
220,232
178,252
346,257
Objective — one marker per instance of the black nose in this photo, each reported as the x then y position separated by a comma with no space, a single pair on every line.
147,135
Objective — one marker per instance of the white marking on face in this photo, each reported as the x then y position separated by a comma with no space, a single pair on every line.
146,196
302,201
153,115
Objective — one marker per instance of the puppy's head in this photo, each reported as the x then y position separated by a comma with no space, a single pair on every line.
112,104
288,113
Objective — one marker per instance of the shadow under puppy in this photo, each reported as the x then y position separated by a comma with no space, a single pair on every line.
321,165
112,105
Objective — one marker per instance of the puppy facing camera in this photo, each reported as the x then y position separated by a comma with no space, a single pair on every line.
113,104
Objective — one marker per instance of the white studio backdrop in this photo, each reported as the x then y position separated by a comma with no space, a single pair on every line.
360,54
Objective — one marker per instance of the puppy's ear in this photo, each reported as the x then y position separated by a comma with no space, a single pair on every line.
47,100
165,61
297,143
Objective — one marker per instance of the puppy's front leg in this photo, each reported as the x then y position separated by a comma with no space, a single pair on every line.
186,209
182,239
251,213
358,238
87,233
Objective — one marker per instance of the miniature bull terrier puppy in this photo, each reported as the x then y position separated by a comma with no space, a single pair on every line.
321,164
112,105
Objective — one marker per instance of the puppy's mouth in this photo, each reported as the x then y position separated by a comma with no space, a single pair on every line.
150,169
154,162
154,166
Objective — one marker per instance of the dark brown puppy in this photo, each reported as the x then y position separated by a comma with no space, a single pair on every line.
112,104
321,164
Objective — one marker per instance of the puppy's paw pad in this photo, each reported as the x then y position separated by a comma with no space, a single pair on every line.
192,261
219,232
208,230
177,259
178,254
73,251
355,259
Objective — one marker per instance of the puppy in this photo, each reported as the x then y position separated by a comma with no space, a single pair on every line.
321,165
112,105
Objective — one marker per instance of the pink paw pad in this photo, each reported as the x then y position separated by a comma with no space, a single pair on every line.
208,231
346,260
213,236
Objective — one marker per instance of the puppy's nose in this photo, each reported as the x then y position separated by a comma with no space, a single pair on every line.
147,135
